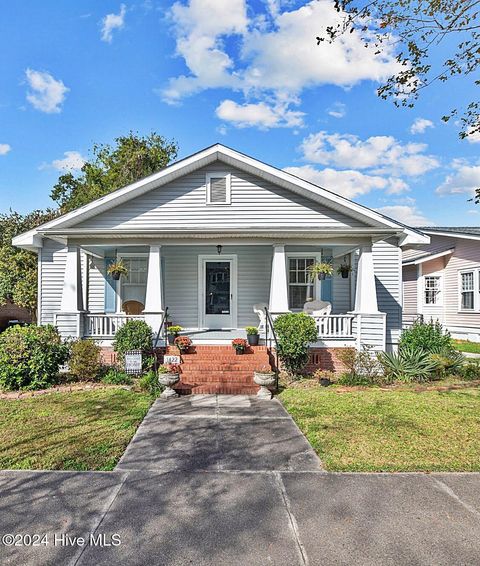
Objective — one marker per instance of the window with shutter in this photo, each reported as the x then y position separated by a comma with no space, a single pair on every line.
218,188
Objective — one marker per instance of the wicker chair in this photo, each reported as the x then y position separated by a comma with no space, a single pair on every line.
133,307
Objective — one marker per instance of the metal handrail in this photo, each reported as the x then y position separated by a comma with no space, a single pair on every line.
269,323
163,325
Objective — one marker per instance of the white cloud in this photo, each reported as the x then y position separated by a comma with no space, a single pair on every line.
465,180
347,183
382,154
409,215
260,114
4,148
274,56
473,136
472,211
338,110
420,125
47,94
112,22
72,161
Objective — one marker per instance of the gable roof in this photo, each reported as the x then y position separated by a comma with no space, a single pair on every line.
233,158
472,232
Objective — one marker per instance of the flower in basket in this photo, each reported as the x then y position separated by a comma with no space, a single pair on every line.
116,269
169,368
183,343
239,344
264,370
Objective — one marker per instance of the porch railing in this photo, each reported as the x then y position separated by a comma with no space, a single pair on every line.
105,325
335,326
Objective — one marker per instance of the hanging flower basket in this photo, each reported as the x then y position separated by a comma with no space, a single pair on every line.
117,269
320,270
344,270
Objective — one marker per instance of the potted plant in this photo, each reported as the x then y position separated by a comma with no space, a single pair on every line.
344,269
116,269
239,345
173,332
320,270
264,377
252,335
183,343
168,375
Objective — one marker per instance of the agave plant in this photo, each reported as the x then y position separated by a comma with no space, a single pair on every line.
408,365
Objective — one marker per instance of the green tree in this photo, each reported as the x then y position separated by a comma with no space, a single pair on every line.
18,268
111,167
435,40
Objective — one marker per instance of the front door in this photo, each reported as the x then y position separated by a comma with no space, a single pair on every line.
218,293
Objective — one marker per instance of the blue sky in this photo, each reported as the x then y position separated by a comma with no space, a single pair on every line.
244,73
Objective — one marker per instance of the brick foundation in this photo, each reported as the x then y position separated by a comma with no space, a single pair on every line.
326,359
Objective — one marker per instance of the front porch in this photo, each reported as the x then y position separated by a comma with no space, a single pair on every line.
215,291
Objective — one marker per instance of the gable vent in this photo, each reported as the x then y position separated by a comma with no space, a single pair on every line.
218,188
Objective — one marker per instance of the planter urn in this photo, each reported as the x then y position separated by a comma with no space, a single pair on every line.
167,380
253,339
116,275
239,351
321,276
344,274
265,380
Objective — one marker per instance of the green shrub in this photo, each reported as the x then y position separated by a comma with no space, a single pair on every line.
30,357
448,361
427,336
117,377
362,367
295,331
149,383
251,330
470,371
134,335
408,365
85,362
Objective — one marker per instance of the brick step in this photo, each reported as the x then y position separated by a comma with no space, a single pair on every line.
228,364
209,378
224,355
219,388
199,374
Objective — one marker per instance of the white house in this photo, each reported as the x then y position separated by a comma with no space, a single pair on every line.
211,236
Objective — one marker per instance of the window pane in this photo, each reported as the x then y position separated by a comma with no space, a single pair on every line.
467,300
297,296
467,281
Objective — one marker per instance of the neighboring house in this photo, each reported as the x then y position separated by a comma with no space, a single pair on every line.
211,236
441,280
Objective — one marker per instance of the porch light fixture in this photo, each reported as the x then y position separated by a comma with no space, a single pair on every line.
219,249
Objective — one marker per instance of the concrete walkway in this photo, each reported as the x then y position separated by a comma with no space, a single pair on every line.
231,481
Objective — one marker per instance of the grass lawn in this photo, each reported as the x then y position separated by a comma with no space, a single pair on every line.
84,430
376,430
466,346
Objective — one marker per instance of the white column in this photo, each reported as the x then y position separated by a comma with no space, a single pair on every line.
278,284
366,292
153,299
72,294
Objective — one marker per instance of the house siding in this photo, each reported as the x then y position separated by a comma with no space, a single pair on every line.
465,256
410,290
53,258
388,278
254,203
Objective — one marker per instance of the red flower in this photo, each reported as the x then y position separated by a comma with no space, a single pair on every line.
239,343
183,342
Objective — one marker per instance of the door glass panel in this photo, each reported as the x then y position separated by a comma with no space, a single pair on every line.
217,285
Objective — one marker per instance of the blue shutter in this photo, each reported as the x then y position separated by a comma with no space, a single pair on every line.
110,288
326,289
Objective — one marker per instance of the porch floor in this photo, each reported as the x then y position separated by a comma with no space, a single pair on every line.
201,336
